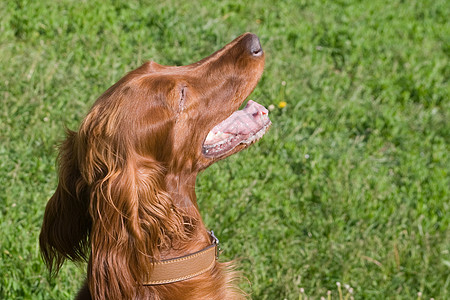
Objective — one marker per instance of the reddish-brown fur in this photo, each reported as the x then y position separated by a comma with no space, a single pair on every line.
126,192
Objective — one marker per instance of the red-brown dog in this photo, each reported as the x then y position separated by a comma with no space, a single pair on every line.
126,195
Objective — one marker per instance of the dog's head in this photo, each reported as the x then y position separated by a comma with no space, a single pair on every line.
185,117
120,171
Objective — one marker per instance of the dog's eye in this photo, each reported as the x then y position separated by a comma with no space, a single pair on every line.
182,102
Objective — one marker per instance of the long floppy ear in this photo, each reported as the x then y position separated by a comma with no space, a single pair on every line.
66,224
133,218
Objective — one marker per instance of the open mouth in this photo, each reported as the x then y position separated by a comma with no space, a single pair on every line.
242,127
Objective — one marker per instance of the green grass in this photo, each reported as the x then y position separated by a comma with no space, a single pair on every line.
351,184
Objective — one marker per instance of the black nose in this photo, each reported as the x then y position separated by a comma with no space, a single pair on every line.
253,45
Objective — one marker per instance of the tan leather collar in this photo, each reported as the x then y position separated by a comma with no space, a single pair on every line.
185,267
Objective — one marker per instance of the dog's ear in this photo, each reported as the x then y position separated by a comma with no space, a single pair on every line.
133,218
66,222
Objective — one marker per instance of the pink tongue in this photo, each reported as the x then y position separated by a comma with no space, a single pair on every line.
242,122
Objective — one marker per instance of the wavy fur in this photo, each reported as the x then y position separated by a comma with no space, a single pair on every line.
126,191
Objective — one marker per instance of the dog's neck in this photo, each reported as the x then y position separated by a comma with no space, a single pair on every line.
181,188
182,191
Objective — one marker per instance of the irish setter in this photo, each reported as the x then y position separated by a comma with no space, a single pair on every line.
126,193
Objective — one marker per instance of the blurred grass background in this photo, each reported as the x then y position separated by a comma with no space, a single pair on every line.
351,184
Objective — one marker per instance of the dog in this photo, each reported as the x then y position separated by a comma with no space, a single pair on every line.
125,200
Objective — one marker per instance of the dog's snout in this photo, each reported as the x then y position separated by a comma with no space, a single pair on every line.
253,45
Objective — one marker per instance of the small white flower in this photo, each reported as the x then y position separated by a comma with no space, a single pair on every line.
302,290
338,283
271,107
283,83
306,156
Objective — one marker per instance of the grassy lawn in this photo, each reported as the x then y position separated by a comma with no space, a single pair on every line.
350,185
